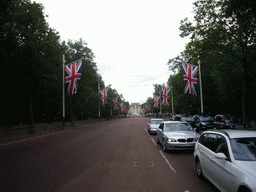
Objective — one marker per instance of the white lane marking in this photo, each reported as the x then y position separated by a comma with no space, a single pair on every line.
167,162
153,141
147,131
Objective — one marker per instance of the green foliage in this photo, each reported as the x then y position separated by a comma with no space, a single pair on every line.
223,39
31,70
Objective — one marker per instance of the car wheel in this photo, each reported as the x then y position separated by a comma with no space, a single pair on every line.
199,171
149,132
164,147
157,140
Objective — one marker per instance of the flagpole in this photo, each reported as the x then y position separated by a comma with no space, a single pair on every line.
99,94
160,102
63,82
201,91
172,102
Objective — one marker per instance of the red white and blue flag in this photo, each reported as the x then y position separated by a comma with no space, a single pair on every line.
165,96
73,73
148,107
156,101
104,96
190,73
115,103
125,109
122,107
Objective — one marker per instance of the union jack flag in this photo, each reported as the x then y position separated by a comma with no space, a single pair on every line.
122,107
73,74
125,109
148,107
115,103
156,101
165,96
190,73
104,96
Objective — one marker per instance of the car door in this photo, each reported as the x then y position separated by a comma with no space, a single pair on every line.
217,170
221,168
160,132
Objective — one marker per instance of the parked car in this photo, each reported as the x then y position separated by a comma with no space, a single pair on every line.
226,122
153,125
176,117
203,122
227,158
189,119
176,135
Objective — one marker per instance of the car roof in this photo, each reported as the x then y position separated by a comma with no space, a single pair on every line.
234,133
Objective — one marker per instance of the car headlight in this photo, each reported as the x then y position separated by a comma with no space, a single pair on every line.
171,140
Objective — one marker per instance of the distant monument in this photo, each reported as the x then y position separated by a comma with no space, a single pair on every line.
135,109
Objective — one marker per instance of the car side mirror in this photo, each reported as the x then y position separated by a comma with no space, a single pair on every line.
220,156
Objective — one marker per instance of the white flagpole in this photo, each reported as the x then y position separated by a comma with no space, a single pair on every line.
99,94
63,82
201,91
160,99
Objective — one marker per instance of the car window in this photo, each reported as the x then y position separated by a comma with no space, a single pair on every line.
202,139
178,127
209,141
218,118
244,149
215,143
206,118
221,145
158,121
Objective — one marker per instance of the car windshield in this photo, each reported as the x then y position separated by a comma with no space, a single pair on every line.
157,121
178,127
205,118
187,119
244,149
228,119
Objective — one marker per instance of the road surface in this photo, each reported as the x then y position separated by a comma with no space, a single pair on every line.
116,155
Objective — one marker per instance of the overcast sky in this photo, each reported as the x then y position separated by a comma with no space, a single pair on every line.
132,40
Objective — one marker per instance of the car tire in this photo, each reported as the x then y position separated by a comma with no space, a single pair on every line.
199,170
164,147
157,140
149,132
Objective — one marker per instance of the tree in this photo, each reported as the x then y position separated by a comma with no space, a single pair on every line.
225,44
26,43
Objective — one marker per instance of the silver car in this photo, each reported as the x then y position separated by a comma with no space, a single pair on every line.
228,159
153,125
176,135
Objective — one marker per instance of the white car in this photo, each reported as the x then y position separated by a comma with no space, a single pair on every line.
176,135
153,125
228,159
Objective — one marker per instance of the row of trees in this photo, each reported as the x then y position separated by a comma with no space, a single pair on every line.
222,37
31,70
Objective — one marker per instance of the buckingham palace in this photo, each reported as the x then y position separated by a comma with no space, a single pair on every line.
135,109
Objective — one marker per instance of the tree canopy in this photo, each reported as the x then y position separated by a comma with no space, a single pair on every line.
31,69
223,39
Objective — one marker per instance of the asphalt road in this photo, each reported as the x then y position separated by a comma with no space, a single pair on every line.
117,155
